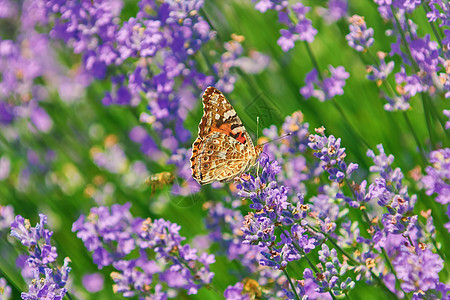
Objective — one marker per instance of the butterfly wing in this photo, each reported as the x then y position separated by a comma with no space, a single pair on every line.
223,148
221,158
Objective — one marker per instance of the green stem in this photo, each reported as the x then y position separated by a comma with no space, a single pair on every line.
332,295
405,42
291,283
427,112
68,296
422,152
391,267
313,60
353,131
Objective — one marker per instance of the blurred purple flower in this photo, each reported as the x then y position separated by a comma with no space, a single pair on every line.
438,176
328,88
6,217
447,114
5,167
360,37
337,9
113,234
380,71
8,9
418,271
301,30
41,120
93,282
5,289
6,112
235,292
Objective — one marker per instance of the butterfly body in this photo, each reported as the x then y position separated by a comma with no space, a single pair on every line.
223,149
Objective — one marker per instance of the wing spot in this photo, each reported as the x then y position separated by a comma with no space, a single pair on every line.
205,158
206,166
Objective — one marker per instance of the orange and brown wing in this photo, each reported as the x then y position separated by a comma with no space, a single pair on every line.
220,123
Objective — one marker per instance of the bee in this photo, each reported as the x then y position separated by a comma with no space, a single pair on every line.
159,180
252,288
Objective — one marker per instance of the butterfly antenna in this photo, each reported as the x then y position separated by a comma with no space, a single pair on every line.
257,128
278,138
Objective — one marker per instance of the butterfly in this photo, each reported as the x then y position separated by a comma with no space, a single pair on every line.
223,149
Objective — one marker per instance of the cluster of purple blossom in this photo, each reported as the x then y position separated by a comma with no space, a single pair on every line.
149,56
286,228
300,29
148,256
48,281
425,62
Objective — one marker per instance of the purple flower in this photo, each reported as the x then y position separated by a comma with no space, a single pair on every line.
329,151
6,217
332,273
360,37
93,282
328,88
418,271
305,31
113,234
41,256
41,120
5,289
107,228
235,292
51,286
447,114
380,71
302,30
438,176
408,5
337,9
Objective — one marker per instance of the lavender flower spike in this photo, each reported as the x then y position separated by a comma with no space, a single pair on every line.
360,37
48,281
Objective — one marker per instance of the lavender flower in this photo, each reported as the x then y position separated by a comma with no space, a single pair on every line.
390,193
418,271
328,88
447,114
360,37
438,175
331,276
6,217
301,30
93,282
234,58
5,289
235,292
337,9
381,71
42,256
329,151
113,234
